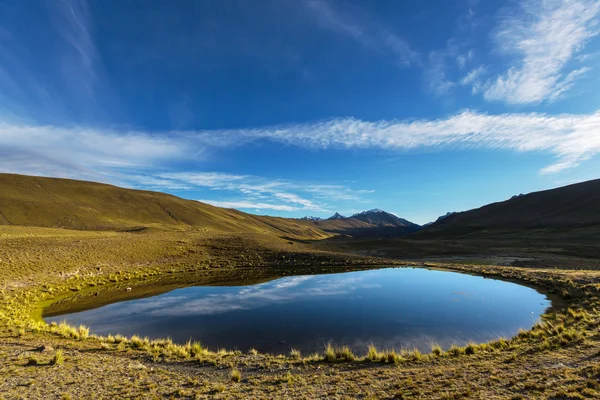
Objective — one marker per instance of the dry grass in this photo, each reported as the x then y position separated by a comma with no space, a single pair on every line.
40,265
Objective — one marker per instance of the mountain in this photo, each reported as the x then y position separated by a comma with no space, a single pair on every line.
310,218
381,218
66,203
371,223
569,208
441,217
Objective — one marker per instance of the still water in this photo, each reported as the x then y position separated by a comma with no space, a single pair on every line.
392,308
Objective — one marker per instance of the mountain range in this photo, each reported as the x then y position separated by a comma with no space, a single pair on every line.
369,223
65,203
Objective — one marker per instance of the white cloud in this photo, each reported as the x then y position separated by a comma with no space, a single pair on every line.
139,158
370,34
282,195
473,76
546,37
82,153
572,138
250,205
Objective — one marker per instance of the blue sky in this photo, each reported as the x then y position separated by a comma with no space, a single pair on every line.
305,107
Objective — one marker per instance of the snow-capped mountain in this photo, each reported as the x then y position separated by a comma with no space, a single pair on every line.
373,211
310,218
379,217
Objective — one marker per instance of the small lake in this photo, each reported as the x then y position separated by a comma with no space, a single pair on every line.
391,308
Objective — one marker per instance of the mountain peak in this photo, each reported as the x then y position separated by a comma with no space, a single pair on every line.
310,218
337,216
373,211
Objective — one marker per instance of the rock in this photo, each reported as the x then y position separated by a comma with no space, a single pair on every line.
45,348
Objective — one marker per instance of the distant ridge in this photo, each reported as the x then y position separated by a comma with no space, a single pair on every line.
310,218
573,207
370,223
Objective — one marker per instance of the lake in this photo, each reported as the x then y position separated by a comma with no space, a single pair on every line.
400,308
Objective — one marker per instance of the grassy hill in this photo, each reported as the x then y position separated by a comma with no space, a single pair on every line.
569,208
66,203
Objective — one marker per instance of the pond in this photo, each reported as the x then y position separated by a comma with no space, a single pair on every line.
399,308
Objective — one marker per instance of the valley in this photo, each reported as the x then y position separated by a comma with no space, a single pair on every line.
77,252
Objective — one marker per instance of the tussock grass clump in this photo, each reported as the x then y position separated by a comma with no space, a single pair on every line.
436,350
220,387
295,354
456,351
195,349
499,344
343,353
83,332
58,358
372,353
416,354
392,357
236,375
471,348
329,353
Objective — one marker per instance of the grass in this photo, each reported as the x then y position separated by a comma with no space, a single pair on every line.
235,375
58,358
52,202
477,370
295,354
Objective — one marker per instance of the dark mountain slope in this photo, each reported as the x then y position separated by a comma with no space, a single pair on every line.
571,207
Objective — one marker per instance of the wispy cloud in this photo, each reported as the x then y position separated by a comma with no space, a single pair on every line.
371,34
572,138
545,37
103,154
457,54
250,205
72,20
257,192
62,82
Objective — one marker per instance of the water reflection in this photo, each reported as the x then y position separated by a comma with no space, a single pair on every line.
392,308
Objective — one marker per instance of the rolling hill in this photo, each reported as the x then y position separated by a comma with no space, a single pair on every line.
66,203
573,207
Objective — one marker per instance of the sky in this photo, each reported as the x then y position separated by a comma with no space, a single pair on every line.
305,107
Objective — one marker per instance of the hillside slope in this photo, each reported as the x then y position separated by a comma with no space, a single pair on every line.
570,207
65,203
